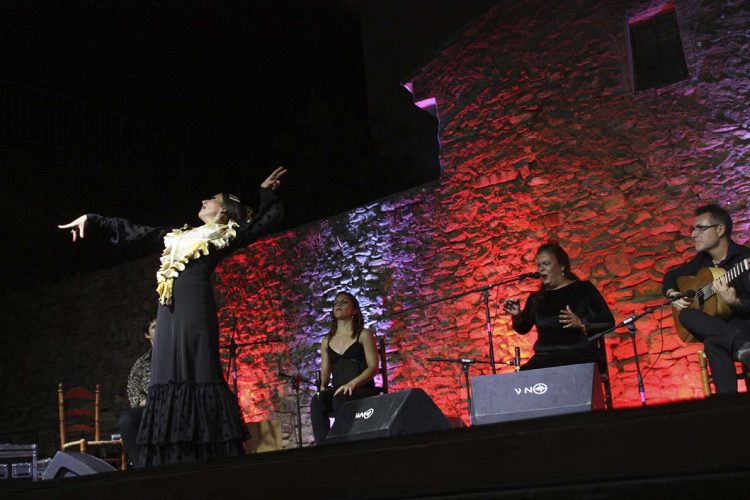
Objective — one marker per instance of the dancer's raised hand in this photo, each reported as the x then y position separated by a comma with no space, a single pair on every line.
274,180
76,227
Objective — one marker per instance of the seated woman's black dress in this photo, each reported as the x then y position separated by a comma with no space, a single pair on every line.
558,346
190,415
344,367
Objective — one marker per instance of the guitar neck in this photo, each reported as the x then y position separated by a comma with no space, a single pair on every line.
731,275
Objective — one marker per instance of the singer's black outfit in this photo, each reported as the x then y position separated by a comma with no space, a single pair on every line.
721,338
190,415
344,367
558,346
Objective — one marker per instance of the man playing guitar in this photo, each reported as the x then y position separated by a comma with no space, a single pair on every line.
725,340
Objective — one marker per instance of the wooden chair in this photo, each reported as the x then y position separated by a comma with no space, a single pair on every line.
84,415
601,346
742,374
383,365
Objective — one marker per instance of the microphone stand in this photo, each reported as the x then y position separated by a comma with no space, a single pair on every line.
629,323
295,381
233,347
465,364
485,291
232,365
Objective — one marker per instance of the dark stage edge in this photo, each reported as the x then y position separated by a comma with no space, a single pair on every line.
690,450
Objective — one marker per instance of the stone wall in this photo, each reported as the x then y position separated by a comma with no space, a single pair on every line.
542,137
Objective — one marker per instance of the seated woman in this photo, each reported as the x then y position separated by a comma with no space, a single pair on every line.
348,354
565,310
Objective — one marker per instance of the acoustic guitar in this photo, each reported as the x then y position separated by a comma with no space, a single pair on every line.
705,298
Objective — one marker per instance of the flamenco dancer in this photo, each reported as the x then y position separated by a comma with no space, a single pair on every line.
190,414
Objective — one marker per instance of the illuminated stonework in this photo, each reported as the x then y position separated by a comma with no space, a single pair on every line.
542,137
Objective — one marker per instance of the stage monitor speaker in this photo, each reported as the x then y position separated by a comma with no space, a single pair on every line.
536,393
393,414
72,464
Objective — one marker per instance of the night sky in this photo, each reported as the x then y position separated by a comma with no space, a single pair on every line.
238,87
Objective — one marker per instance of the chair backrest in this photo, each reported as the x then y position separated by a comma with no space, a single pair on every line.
601,345
383,364
705,378
82,406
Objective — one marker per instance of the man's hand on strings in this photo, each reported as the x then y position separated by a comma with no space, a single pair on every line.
726,293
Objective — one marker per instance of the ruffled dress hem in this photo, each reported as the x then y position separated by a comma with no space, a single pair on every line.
187,422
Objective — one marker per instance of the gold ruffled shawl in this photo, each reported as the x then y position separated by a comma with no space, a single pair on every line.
182,245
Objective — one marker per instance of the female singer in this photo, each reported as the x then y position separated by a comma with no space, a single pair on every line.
348,354
191,415
565,310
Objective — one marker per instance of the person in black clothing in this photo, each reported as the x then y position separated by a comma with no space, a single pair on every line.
348,355
565,310
723,340
190,413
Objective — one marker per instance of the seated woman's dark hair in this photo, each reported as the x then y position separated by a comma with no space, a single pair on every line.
358,322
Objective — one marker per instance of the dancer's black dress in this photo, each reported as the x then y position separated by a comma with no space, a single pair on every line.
191,415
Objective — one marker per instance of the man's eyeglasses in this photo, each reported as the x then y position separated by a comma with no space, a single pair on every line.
699,228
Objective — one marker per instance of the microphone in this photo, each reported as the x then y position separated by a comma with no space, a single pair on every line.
460,360
529,275
687,294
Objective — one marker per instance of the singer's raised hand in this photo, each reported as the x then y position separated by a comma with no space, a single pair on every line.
76,227
568,319
512,307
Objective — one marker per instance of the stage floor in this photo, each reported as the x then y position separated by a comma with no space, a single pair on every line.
696,449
